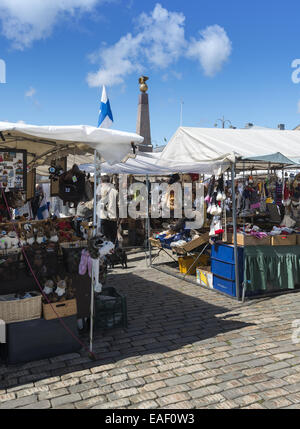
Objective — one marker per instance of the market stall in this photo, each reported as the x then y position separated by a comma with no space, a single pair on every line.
246,150
229,159
40,272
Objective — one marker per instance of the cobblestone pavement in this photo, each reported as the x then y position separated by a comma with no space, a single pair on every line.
185,347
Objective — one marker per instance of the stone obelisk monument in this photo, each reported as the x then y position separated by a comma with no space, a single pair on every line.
143,118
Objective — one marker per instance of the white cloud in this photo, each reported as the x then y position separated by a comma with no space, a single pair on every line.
24,21
31,92
158,43
212,50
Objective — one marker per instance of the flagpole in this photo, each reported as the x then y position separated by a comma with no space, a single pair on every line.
97,219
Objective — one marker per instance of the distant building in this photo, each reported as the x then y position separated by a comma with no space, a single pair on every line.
159,148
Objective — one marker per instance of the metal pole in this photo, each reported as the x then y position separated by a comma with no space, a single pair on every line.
94,233
236,259
148,222
181,112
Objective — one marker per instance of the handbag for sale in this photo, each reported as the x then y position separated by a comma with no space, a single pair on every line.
72,186
88,190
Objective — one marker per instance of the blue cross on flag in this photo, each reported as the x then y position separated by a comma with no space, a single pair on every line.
105,115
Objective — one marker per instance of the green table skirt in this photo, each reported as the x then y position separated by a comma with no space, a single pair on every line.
271,267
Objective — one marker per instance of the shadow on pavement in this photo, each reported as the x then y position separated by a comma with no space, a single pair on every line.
160,319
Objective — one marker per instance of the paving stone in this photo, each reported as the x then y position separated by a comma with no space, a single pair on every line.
146,405
225,405
273,393
47,381
277,403
179,380
124,393
18,402
255,406
52,394
64,383
129,383
67,399
91,402
172,399
31,391
248,399
113,404
295,397
40,405
208,400
77,388
204,391
239,392
7,397
292,388
282,356
143,397
152,387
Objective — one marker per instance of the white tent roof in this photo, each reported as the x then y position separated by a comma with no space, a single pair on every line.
151,164
44,142
211,145
211,151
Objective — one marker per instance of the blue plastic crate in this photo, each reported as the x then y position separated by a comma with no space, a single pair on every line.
225,253
227,270
224,285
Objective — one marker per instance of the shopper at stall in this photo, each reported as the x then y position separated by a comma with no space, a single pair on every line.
107,209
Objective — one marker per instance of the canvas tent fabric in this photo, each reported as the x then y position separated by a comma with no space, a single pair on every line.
44,142
150,164
211,151
215,145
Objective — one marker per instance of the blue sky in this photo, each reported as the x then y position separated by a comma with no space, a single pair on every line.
239,66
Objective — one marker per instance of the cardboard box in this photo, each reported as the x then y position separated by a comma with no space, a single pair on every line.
284,240
191,245
248,240
204,277
63,309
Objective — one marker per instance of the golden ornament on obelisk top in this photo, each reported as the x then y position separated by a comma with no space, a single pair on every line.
143,85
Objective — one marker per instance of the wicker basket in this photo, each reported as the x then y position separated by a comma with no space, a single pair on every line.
62,309
21,309
74,244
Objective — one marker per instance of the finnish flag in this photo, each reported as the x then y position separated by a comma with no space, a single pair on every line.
105,115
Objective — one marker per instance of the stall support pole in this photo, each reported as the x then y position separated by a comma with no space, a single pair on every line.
148,222
236,259
95,227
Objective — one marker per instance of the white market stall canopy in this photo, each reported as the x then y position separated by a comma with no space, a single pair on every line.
215,146
211,151
44,143
149,164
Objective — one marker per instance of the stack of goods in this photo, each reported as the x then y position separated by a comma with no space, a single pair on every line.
215,200
174,235
59,298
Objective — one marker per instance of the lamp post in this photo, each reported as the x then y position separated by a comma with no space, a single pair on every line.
181,111
223,122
